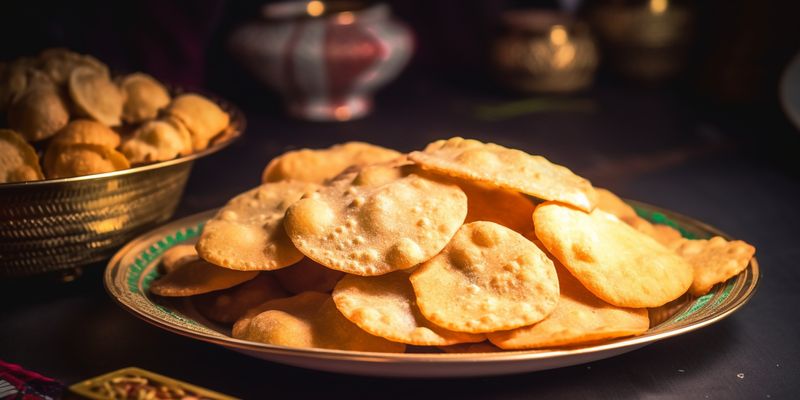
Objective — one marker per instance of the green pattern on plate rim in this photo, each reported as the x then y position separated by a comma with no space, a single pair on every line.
154,252
128,279
657,217
131,280
140,283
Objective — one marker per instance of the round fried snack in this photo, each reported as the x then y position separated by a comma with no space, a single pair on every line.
510,209
144,96
617,263
38,113
82,159
201,116
177,256
95,96
386,306
664,234
376,220
158,140
247,234
506,168
86,131
18,160
488,278
580,317
309,319
322,164
227,306
198,277
612,204
308,276
714,261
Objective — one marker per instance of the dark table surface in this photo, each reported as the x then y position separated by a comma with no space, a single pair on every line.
645,144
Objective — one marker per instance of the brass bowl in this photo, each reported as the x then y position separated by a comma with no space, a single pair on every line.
647,41
544,51
64,224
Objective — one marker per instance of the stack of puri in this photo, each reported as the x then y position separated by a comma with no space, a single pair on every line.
461,247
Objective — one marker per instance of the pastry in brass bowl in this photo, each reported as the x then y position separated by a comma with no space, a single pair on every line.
202,117
86,131
69,109
18,160
82,159
58,64
14,79
39,112
41,95
144,96
158,140
95,96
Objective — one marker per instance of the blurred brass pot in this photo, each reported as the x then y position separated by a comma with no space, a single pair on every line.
544,51
647,40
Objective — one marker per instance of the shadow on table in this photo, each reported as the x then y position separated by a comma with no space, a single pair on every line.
655,369
87,334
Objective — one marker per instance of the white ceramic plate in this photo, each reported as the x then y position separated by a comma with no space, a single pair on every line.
130,272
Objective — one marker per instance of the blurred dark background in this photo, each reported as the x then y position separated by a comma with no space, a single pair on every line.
708,138
730,68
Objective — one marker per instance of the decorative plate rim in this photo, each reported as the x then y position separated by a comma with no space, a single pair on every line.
114,267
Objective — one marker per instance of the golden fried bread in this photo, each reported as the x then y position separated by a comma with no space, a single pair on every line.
319,165
18,160
96,96
82,159
204,118
505,168
144,96
86,131
157,140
